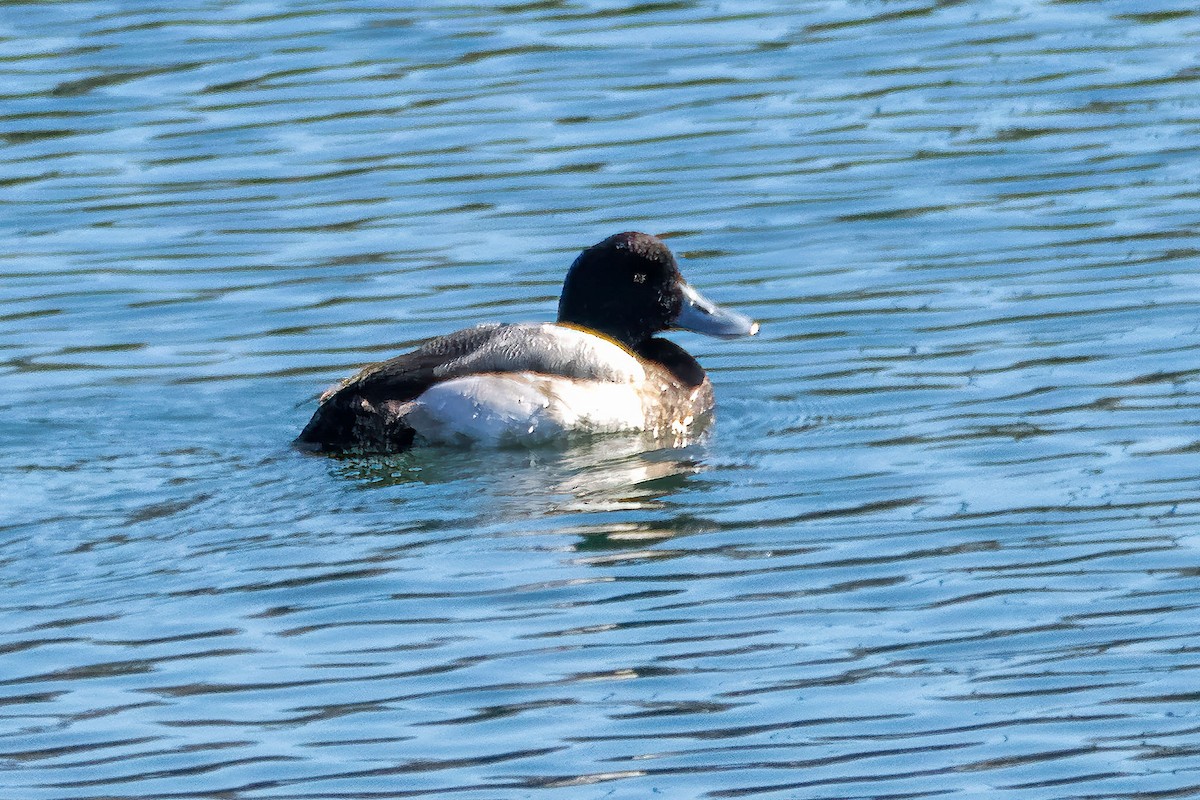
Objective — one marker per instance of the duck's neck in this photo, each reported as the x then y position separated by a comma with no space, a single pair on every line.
617,333
677,360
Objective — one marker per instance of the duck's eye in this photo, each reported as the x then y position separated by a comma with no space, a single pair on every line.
639,277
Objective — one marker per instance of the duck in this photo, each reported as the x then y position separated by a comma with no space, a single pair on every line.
600,368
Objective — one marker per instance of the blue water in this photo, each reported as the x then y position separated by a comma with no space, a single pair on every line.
941,542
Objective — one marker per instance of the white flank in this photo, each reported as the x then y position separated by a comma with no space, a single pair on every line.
512,408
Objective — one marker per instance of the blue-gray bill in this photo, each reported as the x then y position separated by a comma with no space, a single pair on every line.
701,315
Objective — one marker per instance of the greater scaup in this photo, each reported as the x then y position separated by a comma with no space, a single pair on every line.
598,369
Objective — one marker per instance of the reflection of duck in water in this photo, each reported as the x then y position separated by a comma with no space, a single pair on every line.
606,491
599,369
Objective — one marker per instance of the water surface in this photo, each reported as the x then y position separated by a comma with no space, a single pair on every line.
941,542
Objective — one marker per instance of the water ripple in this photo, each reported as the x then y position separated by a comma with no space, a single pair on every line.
940,541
